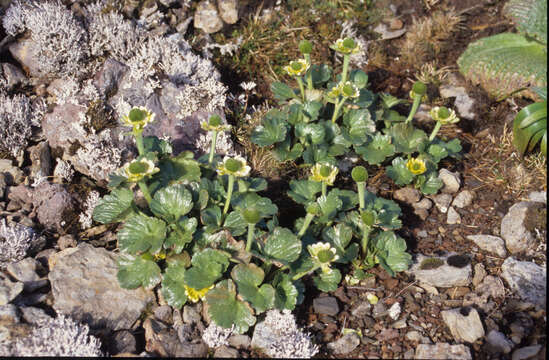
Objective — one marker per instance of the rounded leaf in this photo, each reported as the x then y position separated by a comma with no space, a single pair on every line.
226,310
283,245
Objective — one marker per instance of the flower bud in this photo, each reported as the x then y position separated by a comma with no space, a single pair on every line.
359,174
305,47
419,88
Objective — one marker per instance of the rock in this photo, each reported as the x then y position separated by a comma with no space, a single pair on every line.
453,216
387,334
498,342
521,327
380,310
8,289
192,350
54,205
451,181
492,244
463,199
443,351
442,202
164,314
107,78
414,335
26,52
408,195
25,272
464,104
3,185
527,352
66,241
225,352
344,344
464,324
85,286
228,10
13,76
514,230
40,160
436,271
240,341
491,286
123,341
527,279
422,207
207,18
480,274
361,309
13,174
160,340
191,314
8,314
386,33
538,196
394,311
34,315
326,305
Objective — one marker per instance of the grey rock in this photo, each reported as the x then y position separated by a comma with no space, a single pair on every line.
408,195
414,335
538,196
490,243
386,33
491,286
53,204
451,181
123,341
326,305
13,76
3,185
40,160
107,78
442,202
527,352
453,216
513,228
228,10
521,327
225,352
34,315
13,174
527,279
498,342
191,314
207,18
8,314
424,204
464,324
25,272
164,313
8,289
66,241
192,350
379,310
361,309
463,199
464,104
85,286
400,324
443,276
240,341
26,52
443,351
344,344
479,274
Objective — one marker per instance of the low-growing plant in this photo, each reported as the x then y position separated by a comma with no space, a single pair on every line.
530,126
329,116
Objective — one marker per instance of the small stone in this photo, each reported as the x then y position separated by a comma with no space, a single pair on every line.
192,350
479,275
527,352
13,174
408,195
191,315
326,305
207,18
413,335
422,234
518,238
492,244
422,213
228,10
25,271
521,327
34,315
240,341
424,204
8,314
443,351
361,309
225,352
396,24
453,217
527,279
463,199
123,341
345,344
9,289
464,324
498,342
463,103
164,314
386,33
394,311
451,181
442,202
400,324
379,311
538,196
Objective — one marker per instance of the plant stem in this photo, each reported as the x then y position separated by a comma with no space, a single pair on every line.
301,88
300,275
212,148
435,131
306,223
365,238
309,75
415,106
338,106
360,186
229,194
346,59
324,188
145,191
139,142
250,239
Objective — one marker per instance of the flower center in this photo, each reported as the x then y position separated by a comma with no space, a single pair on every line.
215,120
443,112
348,90
233,165
349,43
359,174
137,115
325,256
138,167
251,216
296,66
325,171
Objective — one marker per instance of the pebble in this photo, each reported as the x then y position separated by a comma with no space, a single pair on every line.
453,216
123,341
443,351
361,309
191,315
513,229
442,202
225,352
464,324
394,311
345,344
239,341
539,196
451,181
527,352
498,342
164,314
463,199
480,274
379,311
408,195
490,243
9,289
326,305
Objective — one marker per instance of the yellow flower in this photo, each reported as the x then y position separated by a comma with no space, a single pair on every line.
416,166
214,124
297,67
138,169
233,166
196,295
346,46
138,118
335,92
323,254
325,173
443,115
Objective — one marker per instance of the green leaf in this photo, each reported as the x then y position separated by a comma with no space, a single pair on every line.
285,293
252,201
282,91
437,152
179,169
318,153
116,180
172,202
311,109
173,290
339,236
177,240
208,266
135,271
365,98
530,126
235,223
387,211
392,249
248,277
359,124
377,150
406,138
320,74
282,245
529,16
328,281
154,144
272,130
399,172
283,152
113,207
349,198
142,233
226,310
211,218
329,206
432,184
309,133
304,191
251,184
359,78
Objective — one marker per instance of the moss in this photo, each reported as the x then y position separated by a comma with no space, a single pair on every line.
431,263
100,117
459,261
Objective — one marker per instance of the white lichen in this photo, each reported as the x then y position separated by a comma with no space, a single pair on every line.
223,146
99,156
63,171
15,240
215,336
85,218
229,48
359,59
17,115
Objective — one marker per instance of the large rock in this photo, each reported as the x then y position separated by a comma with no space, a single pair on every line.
519,223
53,205
464,324
8,289
498,342
207,18
85,286
527,279
443,351
437,271
490,243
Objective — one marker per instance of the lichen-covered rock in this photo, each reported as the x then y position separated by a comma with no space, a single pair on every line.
344,344
464,324
444,271
207,18
518,225
443,351
527,279
85,286
490,243
53,205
